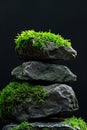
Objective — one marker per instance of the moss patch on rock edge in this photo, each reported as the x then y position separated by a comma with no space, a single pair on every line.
76,123
24,125
40,38
16,93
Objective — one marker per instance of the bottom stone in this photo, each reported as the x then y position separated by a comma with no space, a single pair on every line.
39,126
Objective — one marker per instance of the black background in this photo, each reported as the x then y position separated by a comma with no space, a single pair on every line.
66,17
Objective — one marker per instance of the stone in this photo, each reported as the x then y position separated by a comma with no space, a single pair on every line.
39,71
43,126
61,100
9,127
51,51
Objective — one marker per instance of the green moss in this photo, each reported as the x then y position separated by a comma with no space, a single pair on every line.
76,122
40,38
16,93
24,125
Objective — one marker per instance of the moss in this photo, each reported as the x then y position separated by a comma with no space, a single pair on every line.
24,125
40,38
76,123
16,93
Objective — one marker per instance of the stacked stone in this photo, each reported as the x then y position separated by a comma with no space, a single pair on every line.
41,69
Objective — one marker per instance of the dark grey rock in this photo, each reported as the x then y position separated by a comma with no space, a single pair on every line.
61,100
43,126
50,51
9,127
40,71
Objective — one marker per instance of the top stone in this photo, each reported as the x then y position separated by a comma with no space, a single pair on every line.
31,45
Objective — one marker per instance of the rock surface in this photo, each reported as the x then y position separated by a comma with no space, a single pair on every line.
43,126
61,100
40,71
51,51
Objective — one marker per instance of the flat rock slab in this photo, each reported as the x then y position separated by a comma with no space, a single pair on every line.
39,71
50,51
61,100
43,126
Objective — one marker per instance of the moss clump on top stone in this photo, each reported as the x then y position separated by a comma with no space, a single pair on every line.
76,123
39,39
16,93
32,45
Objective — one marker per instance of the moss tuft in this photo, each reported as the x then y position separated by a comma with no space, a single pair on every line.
76,123
24,125
39,39
16,93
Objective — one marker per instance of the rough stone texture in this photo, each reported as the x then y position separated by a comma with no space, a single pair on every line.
43,126
40,71
51,51
61,100
9,127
